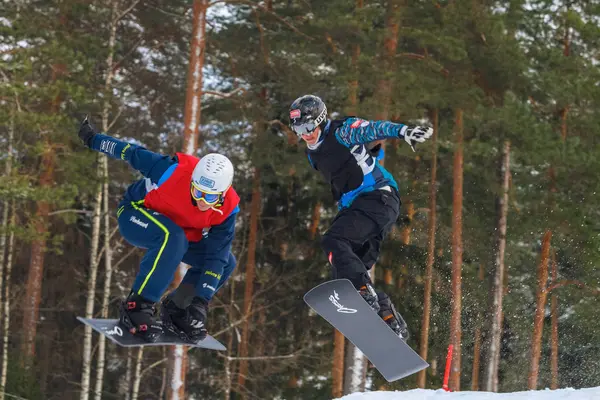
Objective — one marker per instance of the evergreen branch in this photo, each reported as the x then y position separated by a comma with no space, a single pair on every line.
6,79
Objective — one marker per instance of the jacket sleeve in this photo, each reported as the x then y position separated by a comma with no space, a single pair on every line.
361,131
151,165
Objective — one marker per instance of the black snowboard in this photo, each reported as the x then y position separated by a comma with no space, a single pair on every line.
343,307
121,336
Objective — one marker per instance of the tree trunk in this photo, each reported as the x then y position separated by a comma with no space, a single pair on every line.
390,45
353,84
191,138
3,234
249,278
228,363
540,307
124,385
164,376
477,341
476,359
493,366
91,289
193,96
337,375
316,218
107,282
424,345
33,291
104,174
6,302
457,251
565,110
554,319
5,278
353,373
255,209
137,377
405,240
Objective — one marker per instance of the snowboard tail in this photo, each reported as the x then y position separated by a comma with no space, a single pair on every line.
343,307
114,331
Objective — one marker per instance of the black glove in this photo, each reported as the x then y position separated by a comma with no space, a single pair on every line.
86,132
417,134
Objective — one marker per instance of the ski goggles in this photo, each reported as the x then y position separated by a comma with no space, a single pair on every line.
304,129
210,198
309,127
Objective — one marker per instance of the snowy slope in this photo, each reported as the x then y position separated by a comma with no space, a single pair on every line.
421,394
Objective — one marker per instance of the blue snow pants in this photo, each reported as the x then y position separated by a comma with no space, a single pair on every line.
167,246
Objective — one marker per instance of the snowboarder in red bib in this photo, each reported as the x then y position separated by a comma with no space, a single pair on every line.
183,210
366,193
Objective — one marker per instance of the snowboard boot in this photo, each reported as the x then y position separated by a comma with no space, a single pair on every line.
188,323
368,293
388,313
138,315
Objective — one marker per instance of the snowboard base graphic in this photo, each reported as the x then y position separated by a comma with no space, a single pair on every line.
343,307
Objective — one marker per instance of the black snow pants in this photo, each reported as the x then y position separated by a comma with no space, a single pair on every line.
353,241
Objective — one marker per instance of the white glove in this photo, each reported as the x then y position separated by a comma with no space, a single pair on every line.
416,134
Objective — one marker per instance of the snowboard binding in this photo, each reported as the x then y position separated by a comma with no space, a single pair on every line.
188,324
138,316
390,316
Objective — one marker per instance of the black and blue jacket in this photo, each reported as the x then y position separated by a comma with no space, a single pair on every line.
345,161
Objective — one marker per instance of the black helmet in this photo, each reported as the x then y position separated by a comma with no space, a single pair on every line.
306,113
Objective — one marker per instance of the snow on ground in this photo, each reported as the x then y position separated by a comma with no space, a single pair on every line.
422,394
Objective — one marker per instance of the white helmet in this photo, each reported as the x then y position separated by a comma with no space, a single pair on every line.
213,173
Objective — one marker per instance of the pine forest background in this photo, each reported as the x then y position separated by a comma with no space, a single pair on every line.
498,244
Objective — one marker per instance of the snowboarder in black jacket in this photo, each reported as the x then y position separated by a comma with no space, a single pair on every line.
366,193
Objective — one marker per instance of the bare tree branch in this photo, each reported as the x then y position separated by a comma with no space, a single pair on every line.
70,210
292,137
127,10
263,8
579,284
130,252
114,121
286,356
225,95
416,56
154,364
